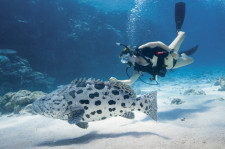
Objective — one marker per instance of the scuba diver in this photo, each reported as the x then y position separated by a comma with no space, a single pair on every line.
156,58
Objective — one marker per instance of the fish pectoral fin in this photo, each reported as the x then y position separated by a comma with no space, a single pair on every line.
83,125
75,115
129,115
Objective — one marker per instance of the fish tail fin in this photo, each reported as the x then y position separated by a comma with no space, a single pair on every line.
148,104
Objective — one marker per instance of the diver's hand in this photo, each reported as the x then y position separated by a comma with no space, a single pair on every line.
113,80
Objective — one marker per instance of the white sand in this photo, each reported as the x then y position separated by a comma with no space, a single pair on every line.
203,127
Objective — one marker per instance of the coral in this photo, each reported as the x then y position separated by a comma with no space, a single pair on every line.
14,102
220,99
176,101
220,82
194,92
16,73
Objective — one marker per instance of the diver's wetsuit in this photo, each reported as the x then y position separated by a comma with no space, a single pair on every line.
147,53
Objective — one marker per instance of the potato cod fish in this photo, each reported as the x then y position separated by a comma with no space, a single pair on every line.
84,101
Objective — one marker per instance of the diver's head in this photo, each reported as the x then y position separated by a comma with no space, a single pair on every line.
126,54
125,58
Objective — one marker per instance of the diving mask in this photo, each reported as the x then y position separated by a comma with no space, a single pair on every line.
125,58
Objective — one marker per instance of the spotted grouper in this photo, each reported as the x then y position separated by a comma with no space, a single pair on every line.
84,101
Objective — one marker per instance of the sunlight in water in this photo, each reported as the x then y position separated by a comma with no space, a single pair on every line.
135,13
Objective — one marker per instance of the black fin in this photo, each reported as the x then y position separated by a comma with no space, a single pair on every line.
75,115
179,14
129,115
83,125
190,51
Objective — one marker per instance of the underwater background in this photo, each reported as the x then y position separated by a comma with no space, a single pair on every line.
76,38
48,43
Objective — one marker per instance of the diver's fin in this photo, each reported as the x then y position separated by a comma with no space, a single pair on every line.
190,51
129,115
83,125
75,115
179,14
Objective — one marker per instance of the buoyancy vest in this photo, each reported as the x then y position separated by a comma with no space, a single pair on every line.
147,53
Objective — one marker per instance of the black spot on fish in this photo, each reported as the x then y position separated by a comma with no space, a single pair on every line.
84,101
96,94
117,87
141,105
49,99
98,102
93,113
112,109
112,102
139,98
43,99
115,92
121,111
146,101
103,97
79,91
133,104
82,84
126,96
83,119
103,118
110,115
85,107
123,105
99,111
100,86
89,89
139,109
106,93
87,115
72,93
63,105
70,103
146,108
58,109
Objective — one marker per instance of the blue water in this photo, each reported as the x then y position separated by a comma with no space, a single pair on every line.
76,38
45,44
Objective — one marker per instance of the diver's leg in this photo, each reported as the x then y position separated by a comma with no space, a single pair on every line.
175,45
183,60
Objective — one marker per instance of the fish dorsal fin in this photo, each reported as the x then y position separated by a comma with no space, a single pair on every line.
85,81
124,87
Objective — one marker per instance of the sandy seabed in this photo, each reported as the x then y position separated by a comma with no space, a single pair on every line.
198,123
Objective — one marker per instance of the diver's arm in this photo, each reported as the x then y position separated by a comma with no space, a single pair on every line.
156,44
128,82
